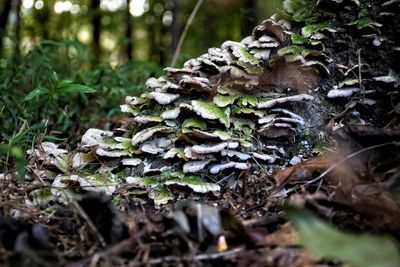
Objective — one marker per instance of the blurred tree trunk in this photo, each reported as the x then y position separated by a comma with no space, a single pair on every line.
96,24
250,18
17,33
152,43
156,34
161,44
176,25
3,21
129,37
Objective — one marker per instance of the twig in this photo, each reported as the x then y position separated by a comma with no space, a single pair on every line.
185,31
90,223
327,171
114,250
359,72
200,257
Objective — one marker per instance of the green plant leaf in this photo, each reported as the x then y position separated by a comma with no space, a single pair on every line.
36,92
359,250
68,87
17,153
64,83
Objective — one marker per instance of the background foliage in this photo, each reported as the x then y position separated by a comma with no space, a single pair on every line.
66,65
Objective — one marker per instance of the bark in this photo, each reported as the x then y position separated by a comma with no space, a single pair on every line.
3,21
96,24
176,25
250,18
156,34
17,51
129,36
161,45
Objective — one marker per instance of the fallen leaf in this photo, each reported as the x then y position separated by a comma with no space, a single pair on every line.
359,250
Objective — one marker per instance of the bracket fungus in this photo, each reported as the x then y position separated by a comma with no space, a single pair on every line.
231,109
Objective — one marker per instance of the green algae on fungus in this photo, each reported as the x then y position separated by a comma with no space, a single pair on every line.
131,161
105,183
160,195
80,159
217,134
262,54
309,30
244,56
362,23
224,100
222,135
209,110
174,152
193,123
151,181
156,146
248,100
348,81
147,133
162,98
240,123
299,39
129,109
228,165
135,100
248,111
41,196
51,154
291,49
147,119
195,183
294,98
171,114
249,68
195,166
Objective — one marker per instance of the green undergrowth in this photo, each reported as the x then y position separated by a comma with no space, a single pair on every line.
53,93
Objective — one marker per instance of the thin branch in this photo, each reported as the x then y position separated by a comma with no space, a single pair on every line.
201,257
185,31
90,223
327,171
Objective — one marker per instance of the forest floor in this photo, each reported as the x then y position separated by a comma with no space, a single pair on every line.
351,186
248,224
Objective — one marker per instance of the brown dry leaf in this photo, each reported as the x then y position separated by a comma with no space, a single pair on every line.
290,75
366,180
286,235
303,171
